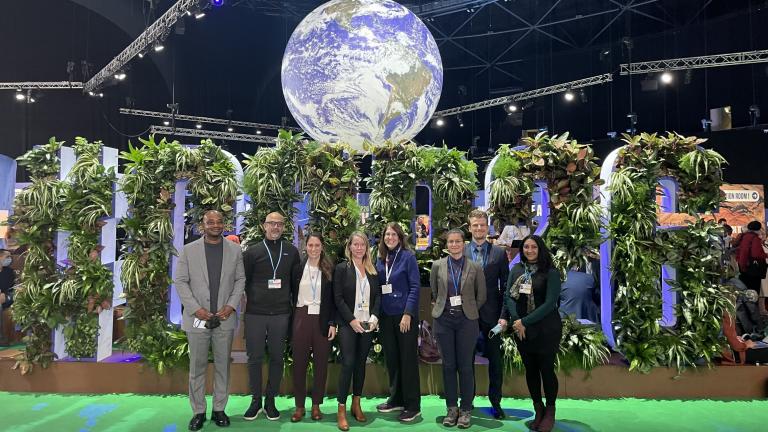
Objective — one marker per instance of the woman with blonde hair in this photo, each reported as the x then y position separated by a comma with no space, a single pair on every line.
357,295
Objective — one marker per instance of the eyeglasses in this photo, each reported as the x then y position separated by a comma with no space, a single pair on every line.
274,224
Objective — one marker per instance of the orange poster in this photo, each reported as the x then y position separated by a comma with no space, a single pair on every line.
743,204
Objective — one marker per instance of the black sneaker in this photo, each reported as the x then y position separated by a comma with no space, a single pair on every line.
253,411
388,407
408,416
270,411
498,411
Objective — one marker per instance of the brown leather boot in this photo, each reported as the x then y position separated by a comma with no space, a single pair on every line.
298,414
548,422
538,408
341,418
357,412
316,413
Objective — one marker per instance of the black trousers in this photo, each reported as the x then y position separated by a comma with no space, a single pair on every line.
540,369
402,359
272,330
456,336
492,351
354,354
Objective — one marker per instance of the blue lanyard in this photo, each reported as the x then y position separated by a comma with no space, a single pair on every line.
528,274
279,257
362,281
387,269
484,256
456,281
313,282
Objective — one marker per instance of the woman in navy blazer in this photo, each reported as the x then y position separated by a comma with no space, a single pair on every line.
399,278
357,295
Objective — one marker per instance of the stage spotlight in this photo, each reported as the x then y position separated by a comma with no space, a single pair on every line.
20,96
440,122
199,15
198,126
583,96
230,129
120,76
166,122
217,3
666,77
511,108
158,46
258,132
460,120
569,96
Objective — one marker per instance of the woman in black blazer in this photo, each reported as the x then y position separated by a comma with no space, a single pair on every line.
314,326
357,293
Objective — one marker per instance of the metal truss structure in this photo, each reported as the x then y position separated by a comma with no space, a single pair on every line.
182,117
531,94
202,133
717,60
41,85
155,32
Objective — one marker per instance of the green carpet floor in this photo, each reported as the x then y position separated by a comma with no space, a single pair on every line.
21,412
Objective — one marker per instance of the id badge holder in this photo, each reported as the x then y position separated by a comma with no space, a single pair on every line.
386,289
525,288
313,309
364,307
198,324
456,300
274,284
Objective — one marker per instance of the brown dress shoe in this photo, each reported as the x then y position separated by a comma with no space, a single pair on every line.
298,414
341,418
357,412
316,413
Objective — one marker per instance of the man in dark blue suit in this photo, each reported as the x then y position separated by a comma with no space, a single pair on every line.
493,259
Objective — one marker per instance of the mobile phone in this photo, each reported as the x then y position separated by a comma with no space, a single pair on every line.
366,325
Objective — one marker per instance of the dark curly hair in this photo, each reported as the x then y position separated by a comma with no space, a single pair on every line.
544,261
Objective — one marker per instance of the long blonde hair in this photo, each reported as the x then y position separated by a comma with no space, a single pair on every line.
367,263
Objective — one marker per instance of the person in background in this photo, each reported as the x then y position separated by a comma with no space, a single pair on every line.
357,295
210,281
400,285
530,304
273,272
577,294
458,294
495,268
7,281
512,236
314,326
750,249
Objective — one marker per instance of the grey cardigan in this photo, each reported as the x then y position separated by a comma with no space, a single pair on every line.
473,292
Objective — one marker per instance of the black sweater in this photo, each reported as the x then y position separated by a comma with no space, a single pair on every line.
258,270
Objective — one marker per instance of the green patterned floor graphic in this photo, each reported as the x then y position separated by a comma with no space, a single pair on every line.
21,412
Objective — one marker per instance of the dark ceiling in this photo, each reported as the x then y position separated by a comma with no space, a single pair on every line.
228,64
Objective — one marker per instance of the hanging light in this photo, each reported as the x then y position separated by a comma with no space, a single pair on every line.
569,96
440,122
666,77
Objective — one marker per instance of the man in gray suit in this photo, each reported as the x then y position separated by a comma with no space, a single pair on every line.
210,281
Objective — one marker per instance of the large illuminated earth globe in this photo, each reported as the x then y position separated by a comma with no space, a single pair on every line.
362,70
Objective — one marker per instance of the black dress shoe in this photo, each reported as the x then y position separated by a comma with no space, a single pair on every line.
220,418
197,422
498,411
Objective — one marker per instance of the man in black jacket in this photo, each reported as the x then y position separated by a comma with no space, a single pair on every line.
272,276
493,259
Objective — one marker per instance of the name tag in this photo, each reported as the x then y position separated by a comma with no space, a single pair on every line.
386,289
525,288
274,284
313,309
198,323
455,300
362,307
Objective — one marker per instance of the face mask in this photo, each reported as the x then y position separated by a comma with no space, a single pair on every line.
6,262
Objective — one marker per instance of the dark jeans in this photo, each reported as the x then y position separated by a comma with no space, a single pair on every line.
456,337
354,353
540,368
401,355
272,330
306,338
492,351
